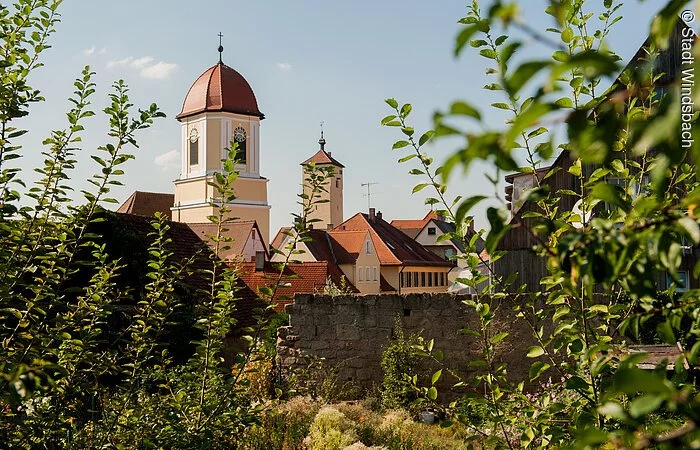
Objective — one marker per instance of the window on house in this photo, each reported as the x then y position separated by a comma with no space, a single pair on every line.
367,274
337,182
240,137
359,274
401,279
422,278
194,147
442,278
431,231
375,274
367,248
430,279
684,281
435,279
415,279
409,279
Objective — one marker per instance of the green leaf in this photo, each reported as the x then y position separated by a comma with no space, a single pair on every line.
691,228
432,393
645,404
400,144
419,187
610,194
436,376
425,137
464,36
523,74
466,205
535,351
498,338
464,109
392,102
536,369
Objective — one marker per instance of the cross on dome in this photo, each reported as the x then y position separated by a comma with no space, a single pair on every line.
221,49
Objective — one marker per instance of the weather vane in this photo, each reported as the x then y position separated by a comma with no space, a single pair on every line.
221,48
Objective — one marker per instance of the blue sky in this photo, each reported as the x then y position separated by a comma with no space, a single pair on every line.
307,61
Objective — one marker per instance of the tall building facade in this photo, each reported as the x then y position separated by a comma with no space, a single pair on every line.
329,212
220,108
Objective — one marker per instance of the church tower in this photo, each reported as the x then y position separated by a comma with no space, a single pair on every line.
220,107
329,213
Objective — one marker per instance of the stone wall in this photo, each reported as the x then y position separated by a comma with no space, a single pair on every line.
350,333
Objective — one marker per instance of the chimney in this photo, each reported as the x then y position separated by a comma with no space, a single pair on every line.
371,214
259,261
329,226
379,215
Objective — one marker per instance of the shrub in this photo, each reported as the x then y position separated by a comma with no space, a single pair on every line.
398,360
283,427
331,430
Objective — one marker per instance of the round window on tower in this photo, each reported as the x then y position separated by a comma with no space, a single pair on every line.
240,137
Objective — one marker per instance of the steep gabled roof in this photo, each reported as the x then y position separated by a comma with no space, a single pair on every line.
393,246
323,157
413,227
147,204
240,231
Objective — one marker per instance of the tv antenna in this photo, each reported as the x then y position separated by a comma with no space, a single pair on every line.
369,185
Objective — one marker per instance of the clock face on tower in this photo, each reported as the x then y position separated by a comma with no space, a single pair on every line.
194,135
239,134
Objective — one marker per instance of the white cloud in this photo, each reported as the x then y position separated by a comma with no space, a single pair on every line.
168,160
102,51
285,66
146,67
120,63
89,51
140,63
159,71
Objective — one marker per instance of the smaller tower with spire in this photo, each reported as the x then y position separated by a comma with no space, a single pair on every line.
329,213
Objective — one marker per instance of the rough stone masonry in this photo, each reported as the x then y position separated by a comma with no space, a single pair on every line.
351,332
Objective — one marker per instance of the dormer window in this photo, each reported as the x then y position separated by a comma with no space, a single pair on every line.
240,137
194,147
431,231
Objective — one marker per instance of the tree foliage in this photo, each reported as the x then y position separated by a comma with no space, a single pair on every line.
636,189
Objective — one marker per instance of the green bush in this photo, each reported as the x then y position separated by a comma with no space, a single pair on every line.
331,430
399,359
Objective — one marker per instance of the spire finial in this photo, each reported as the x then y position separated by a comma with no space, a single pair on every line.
322,141
221,49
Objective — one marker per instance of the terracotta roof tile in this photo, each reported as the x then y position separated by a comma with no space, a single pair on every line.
323,157
393,246
185,245
240,231
298,278
220,88
147,204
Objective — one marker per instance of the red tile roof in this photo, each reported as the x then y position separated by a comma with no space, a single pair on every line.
147,204
323,157
220,88
412,227
393,246
298,278
240,231
185,245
